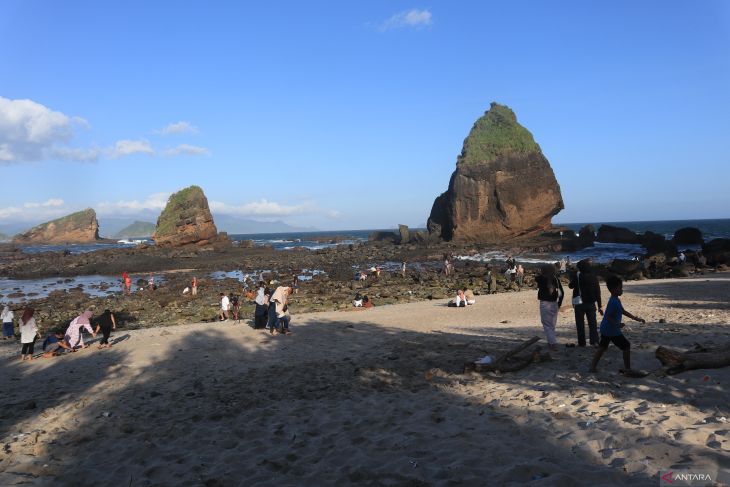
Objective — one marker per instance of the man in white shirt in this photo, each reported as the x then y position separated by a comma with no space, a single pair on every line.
225,306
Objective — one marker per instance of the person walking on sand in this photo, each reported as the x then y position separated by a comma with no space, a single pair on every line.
225,306
7,319
611,325
28,334
194,286
489,280
106,323
550,293
586,295
520,276
74,336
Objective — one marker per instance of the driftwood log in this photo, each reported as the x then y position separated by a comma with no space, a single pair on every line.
509,361
699,357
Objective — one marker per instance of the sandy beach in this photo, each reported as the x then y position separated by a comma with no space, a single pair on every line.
374,397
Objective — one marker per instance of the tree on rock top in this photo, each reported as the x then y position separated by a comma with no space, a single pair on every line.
186,219
495,134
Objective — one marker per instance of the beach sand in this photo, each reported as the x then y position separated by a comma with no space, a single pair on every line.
374,397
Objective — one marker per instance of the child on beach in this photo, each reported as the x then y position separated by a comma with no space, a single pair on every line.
611,325
28,334
54,344
7,319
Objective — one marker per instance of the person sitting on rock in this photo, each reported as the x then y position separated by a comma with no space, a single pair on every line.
357,302
367,302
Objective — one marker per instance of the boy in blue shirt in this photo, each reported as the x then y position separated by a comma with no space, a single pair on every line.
611,325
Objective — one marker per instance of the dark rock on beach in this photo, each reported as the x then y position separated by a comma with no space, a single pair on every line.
405,235
503,186
717,251
688,236
611,234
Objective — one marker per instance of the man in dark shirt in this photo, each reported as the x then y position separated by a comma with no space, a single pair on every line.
584,283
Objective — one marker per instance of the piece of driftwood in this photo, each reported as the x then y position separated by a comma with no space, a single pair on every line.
699,357
509,361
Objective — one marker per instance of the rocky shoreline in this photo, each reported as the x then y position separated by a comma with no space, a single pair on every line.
332,288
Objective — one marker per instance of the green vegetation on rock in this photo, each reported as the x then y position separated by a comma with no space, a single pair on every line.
79,219
495,134
136,229
178,204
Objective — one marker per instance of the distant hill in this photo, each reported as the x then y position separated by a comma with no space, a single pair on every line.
136,229
4,237
233,225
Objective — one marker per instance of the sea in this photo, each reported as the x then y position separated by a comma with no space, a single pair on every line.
15,291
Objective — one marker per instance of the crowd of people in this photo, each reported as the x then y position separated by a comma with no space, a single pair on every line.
57,341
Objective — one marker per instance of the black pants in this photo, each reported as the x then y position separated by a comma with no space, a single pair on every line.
105,335
583,312
260,316
28,348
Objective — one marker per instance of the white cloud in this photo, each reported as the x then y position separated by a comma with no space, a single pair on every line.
409,18
78,155
153,203
47,210
262,208
178,128
128,147
29,131
188,150
333,214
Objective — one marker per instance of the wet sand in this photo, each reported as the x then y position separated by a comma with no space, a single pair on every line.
374,397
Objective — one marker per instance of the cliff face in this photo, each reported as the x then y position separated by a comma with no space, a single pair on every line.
185,220
79,227
503,186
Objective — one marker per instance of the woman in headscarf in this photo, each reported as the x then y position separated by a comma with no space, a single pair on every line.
28,334
550,294
262,303
7,319
73,334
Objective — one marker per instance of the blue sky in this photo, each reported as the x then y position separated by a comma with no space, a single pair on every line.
345,115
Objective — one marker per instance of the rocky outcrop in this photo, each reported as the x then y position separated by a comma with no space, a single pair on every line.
405,234
503,186
688,236
656,244
717,251
611,234
79,227
186,220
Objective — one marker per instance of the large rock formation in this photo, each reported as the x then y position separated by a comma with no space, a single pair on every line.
185,220
503,186
79,227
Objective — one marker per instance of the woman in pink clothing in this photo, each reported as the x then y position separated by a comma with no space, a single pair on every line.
73,334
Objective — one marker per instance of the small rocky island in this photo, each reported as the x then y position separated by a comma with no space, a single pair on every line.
79,227
186,220
503,186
